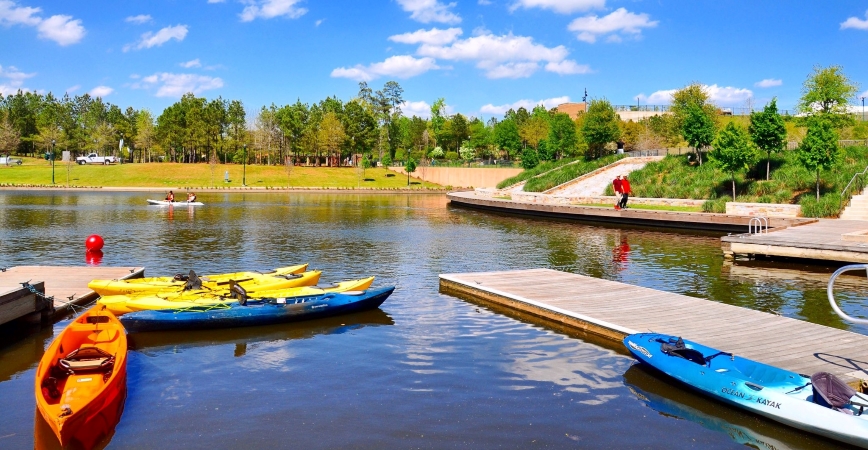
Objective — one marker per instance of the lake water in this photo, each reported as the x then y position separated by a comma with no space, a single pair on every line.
426,370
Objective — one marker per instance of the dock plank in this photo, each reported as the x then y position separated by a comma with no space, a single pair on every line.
67,284
613,310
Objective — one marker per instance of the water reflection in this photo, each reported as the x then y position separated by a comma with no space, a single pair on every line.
154,343
677,402
426,371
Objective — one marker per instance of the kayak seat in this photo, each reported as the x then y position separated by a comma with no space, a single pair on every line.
764,375
86,359
694,356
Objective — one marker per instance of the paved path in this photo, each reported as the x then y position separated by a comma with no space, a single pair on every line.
595,185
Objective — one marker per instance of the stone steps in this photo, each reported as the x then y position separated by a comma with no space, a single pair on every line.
858,208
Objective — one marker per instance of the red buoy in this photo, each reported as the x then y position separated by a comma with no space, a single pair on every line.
94,243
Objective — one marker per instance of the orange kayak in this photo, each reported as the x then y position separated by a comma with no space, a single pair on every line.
81,379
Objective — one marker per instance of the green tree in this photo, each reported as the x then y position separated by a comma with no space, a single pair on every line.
410,167
768,131
562,139
529,158
600,126
534,130
332,135
733,151
145,137
438,119
828,91
466,152
697,129
819,149
506,137
694,94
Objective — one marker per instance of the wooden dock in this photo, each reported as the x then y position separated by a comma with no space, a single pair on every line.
635,217
67,284
828,239
613,310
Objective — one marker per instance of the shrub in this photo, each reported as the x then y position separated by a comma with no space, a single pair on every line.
452,156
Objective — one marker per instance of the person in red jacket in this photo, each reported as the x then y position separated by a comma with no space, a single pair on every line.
625,192
616,185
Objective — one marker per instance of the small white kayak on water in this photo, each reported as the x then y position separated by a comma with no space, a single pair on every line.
168,203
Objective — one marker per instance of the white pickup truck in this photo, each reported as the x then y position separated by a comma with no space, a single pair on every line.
93,158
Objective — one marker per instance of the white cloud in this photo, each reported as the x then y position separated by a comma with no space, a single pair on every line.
505,56
512,70
177,84
427,11
216,1
434,36
864,94
403,66
663,97
73,88
549,103
722,96
318,22
269,9
560,6
621,21
768,82
140,19
191,63
856,23
62,29
12,14
727,96
567,67
15,79
421,109
150,39
100,91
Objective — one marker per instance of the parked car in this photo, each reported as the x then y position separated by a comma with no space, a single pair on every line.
8,161
93,158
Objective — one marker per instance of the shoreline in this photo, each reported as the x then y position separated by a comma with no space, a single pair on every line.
233,190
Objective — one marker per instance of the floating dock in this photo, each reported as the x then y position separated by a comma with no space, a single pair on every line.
638,217
827,239
613,310
67,284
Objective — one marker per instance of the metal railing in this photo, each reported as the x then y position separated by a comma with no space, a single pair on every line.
758,225
847,193
831,294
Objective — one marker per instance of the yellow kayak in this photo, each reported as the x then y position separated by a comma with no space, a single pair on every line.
122,304
276,279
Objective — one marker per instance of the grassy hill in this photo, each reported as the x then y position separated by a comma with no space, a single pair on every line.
680,177
37,172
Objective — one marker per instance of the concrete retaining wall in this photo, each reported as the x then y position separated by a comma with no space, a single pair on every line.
461,177
763,209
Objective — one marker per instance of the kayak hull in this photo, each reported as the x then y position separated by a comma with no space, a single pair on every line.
176,203
775,393
157,302
276,279
82,404
256,312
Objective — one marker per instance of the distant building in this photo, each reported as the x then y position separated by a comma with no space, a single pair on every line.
573,109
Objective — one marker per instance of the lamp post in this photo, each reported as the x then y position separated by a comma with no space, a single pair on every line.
52,161
244,176
863,109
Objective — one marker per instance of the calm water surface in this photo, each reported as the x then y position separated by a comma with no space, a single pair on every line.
426,370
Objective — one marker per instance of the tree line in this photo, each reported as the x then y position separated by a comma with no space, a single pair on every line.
372,127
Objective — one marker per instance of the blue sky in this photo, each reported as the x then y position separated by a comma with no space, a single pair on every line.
482,56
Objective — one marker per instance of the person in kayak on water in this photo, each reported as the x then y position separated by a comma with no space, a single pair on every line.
191,197
170,197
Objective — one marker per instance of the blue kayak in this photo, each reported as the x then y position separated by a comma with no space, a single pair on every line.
820,404
256,312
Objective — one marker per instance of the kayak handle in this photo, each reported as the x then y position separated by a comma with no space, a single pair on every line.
831,294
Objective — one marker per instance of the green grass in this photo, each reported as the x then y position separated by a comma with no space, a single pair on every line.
542,168
37,172
567,173
790,183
